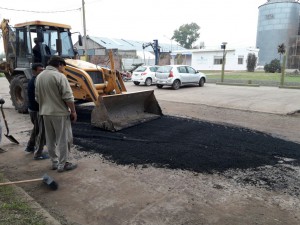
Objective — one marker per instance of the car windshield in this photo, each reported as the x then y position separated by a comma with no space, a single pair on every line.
140,69
164,69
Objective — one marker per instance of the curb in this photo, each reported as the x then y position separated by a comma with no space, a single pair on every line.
289,87
36,206
238,84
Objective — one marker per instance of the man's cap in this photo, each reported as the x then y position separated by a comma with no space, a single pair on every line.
56,58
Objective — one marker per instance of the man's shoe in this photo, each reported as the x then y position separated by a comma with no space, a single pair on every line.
67,166
54,166
29,149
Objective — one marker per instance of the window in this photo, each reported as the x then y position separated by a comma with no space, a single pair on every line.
21,43
153,69
29,50
190,70
67,47
218,60
181,69
140,69
241,60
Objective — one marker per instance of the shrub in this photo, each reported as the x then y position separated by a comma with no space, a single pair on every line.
273,66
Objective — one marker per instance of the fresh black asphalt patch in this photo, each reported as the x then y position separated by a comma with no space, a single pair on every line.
193,145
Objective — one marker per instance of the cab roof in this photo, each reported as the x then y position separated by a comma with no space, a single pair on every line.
42,23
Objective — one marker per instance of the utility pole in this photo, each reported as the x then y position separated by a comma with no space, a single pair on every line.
84,31
223,46
156,51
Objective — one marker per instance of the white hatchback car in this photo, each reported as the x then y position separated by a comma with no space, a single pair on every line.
178,75
144,75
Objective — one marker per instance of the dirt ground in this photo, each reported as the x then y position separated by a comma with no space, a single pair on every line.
199,164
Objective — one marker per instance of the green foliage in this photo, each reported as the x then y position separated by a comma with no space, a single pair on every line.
15,210
281,49
273,66
251,62
186,35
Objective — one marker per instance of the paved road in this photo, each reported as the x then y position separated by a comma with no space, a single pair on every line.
100,190
260,99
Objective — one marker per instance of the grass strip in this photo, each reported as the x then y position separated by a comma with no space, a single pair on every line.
15,210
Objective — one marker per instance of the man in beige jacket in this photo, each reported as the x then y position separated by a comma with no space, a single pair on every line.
56,105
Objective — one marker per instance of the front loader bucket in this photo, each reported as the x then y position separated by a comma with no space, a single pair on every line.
116,112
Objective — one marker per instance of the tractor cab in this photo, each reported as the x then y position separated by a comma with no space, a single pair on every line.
37,41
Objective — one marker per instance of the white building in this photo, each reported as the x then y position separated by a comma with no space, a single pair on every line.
211,59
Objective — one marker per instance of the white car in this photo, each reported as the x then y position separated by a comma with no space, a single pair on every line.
144,75
179,75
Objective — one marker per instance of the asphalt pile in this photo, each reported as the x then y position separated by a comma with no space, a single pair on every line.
193,145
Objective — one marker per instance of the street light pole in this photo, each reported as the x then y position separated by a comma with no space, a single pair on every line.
223,46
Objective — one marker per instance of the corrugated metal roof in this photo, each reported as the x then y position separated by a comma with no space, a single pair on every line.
124,44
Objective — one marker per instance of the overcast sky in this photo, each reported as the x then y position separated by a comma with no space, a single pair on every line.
232,21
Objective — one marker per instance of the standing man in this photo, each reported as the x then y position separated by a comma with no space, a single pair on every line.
37,51
37,138
56,104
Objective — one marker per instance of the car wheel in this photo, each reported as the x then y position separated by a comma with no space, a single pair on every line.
201,82
176,84
159,86
148,82
136,83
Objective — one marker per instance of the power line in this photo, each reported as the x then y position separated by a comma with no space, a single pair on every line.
32,11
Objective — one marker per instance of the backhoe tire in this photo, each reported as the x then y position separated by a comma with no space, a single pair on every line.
18,93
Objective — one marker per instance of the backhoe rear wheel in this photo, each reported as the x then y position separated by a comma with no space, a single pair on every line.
18,93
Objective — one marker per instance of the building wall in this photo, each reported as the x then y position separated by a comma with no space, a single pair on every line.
277,22
205,60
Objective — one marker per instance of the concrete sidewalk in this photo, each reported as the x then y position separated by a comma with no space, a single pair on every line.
260,99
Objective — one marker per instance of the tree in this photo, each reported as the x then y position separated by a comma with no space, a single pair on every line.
281,50
186,35
251,62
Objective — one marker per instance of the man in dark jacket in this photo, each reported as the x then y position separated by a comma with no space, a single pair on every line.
37,138
37,51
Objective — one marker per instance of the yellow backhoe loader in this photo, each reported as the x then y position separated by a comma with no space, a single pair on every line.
115,108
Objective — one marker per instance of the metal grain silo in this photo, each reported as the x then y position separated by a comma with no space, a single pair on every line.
278,22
